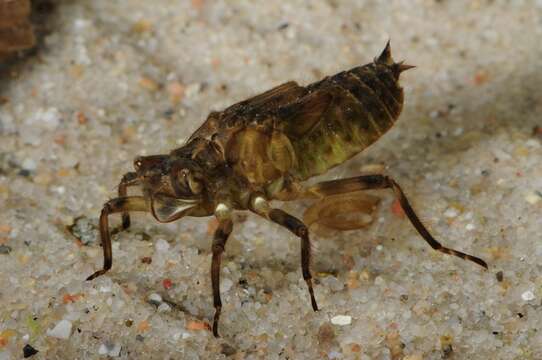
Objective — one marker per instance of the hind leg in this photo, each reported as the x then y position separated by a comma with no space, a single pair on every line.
342,212
368,182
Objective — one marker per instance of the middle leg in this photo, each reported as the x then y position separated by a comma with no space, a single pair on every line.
260,206
225,226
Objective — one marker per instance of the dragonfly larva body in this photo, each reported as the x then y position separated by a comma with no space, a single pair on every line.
262,149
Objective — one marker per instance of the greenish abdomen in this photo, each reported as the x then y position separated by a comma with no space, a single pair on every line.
365,103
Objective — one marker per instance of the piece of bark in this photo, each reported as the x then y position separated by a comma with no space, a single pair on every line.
16,32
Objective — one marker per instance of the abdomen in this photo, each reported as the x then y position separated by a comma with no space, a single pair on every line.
365,102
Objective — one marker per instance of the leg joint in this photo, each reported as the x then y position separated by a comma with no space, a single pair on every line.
259,204
302,231
306,274
218,248
128,177
377,181
107,209
114,205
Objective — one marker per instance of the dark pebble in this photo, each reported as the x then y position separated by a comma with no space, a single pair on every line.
28,351
283,26
144,236
4,249
169,113
227,349
24,173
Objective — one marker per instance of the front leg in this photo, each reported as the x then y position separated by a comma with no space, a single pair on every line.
222,233
120,204
129,179
369,182
260,206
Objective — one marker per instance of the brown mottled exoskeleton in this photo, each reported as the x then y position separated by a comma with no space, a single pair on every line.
261,149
